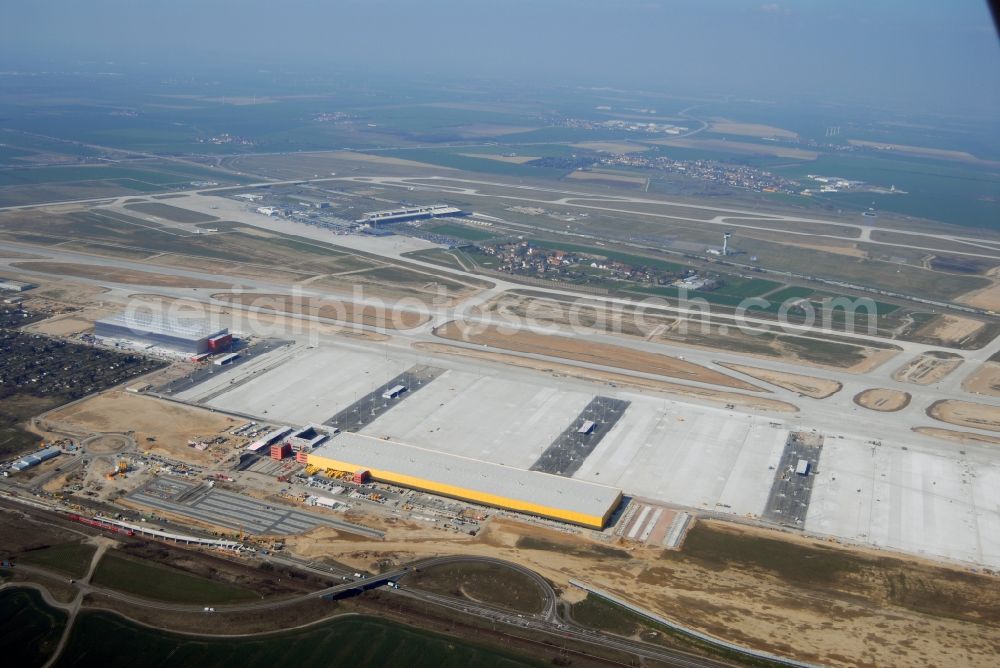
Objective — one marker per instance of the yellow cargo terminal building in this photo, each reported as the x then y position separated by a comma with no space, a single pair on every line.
545,495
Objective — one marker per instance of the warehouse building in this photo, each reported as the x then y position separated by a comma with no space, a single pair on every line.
35,458
190,335
532,492
10,285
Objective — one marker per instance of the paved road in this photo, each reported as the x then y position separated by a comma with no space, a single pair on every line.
547,621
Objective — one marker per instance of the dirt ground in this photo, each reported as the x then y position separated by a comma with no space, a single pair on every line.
612,146
987,298
663,327
817,388
927,369
756,604
966,414
327,308
985,380
882,399
114,275
277,323
591,352
56,290
949,329
847,248
512,159
958,436
235,269
69,324
567,370
171,424
740,147
925,151
728,127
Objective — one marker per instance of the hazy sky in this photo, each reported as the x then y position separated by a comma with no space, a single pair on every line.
937,54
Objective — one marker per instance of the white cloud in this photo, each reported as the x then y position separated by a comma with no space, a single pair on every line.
772,8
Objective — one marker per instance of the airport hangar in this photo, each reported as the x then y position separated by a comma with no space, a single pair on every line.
193,336
555,497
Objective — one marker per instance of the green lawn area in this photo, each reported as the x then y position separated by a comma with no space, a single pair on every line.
163,583
72,559
31,629
102,639
746,287
95,173
462,232
791,292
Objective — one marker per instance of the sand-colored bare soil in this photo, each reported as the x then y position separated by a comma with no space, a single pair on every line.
63,325
590,352
883,399
957,436
659,326
847,248
171,424
770,347
558,369
987,298
361,314
966,414
266,323
817,388
75,321
949,329
612,146
511,159
115,275
985,380
740,147
925,151
237,270
927,368
376,159
724,126
859,617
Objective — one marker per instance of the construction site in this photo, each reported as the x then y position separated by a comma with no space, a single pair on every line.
272,425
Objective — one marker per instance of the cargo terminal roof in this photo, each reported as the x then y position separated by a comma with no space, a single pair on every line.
193,328
576,501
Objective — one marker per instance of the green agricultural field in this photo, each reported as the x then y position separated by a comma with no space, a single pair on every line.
73,559
95,173
163,583
31,629
363,642
462,232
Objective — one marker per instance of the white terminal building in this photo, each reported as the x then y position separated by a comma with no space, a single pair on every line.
409,213
187,335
